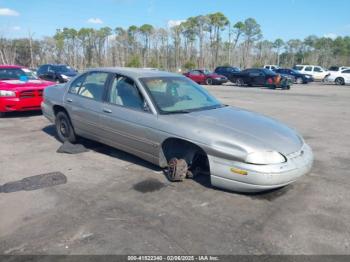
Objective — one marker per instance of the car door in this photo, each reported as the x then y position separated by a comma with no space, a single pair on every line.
84,103
42,72
319,72
346,75
197,76
127,121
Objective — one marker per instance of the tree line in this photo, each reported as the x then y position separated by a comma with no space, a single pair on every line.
204,41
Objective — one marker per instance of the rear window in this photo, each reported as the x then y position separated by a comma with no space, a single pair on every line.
298,68
333,68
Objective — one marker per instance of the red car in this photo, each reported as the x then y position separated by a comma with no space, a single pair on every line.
205,77
20,89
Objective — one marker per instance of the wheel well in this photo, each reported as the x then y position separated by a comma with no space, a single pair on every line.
57,108
182,149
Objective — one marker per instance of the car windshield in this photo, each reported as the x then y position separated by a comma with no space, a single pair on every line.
62,69
206,72
179,95
16,73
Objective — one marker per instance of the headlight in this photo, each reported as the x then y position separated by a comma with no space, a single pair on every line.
64,77
307,76
265,158
6,93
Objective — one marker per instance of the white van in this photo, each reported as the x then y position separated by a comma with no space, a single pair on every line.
317,72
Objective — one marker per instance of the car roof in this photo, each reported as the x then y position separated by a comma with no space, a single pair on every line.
135,72
10,66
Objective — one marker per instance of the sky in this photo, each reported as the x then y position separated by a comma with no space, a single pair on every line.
284,19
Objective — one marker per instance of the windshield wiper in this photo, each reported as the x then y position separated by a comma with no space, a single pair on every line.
177,112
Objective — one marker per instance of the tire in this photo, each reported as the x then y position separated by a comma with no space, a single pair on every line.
209,81
340,81
64,129
299,81
240,82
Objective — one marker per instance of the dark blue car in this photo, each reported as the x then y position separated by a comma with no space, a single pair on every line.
299,77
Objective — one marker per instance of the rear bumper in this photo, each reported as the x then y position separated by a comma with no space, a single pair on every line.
48,112
11,104
260,177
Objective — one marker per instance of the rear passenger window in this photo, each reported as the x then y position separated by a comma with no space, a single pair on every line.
93,86
318,69
308,68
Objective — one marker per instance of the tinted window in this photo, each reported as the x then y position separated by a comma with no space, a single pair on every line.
74,87
308,68
333,68
93,86
318,69
124,92
299,68
43,69
61,68
346,71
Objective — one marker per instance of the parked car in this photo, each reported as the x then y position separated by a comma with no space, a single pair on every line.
171,121
263,77
203,76
299,78
337,68
20,89
317,72
229,71
56,73
339,78
271,67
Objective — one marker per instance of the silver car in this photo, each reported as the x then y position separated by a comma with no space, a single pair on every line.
176,124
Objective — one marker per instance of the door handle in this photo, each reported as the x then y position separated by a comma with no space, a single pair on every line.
106,110
69,100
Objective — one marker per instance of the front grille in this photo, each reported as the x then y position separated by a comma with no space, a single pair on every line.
27,94
31,93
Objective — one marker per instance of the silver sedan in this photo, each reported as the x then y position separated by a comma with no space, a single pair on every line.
176,124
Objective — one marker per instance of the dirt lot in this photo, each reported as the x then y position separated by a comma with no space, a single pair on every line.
114,203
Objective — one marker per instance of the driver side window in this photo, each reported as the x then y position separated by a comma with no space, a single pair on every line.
124,92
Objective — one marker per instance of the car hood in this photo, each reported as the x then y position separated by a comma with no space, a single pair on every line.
24,85
231,127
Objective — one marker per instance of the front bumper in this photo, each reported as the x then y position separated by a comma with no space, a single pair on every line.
11,104
260,177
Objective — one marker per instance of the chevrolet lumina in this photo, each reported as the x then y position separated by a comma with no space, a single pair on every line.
170,121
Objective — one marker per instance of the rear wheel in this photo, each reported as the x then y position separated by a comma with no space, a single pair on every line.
64,128
240,82
209,81
340,81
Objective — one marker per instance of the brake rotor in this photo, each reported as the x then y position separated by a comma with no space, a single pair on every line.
177,170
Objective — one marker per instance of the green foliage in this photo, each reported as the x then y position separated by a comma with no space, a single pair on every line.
134,61
189,65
